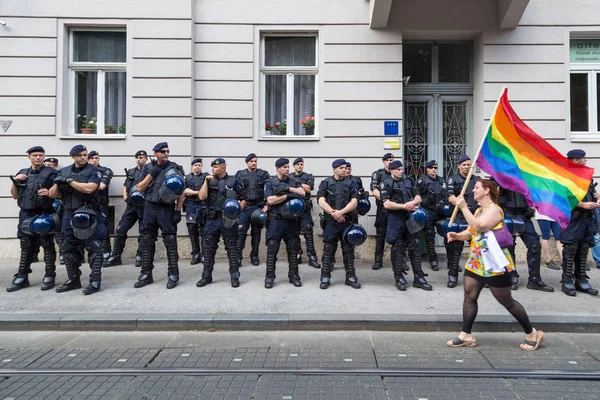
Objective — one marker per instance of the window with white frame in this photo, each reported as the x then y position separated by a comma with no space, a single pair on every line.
97,76
289,82
585,86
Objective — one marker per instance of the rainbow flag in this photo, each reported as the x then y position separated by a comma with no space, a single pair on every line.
521,161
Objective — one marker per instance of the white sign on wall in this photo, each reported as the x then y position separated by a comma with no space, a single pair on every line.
585,51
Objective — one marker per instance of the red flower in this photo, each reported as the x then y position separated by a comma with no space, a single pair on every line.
302,121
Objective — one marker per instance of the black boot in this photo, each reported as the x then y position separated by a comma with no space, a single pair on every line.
50,262
21,279
72,263
115,257
210,250
148,244
234,261
299,256
401,283
568,274
379,247
240,243
328,252
311,252
195,241
138,254
415,262
272,250
172,260
292,246
255,242
581,279
454,251
348,255
96,260
106,248
433,258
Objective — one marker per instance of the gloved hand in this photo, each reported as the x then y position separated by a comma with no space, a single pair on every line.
280,189
176,217
60,180
154,170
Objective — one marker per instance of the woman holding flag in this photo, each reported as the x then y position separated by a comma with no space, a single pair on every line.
488,264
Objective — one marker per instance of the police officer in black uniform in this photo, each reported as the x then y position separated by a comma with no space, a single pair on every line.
162,211
218,188
51,162
381,217
30,189
432,189
578,237
78,184
282,224
307,182
400,197
515,205
337,196
194,209
454,186
133,212
359,186
253,179
103,196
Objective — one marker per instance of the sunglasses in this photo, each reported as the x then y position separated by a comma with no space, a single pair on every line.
165,151
433,167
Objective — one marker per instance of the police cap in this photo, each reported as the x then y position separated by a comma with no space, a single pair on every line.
297,160
462,159
431,163
217,161
160,146
196,160
281,162
338,163
250,157
78,148
36,149
575,154
93,153
395,164
349,165
386,156
52,160
140,153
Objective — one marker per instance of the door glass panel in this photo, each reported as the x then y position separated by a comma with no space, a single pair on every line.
454,128
455,62
415,138
416,62
579,103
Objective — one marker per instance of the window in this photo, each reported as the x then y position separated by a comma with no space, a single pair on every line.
585,86
437,62
98,75
289,82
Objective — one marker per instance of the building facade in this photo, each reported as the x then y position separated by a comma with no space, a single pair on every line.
223,78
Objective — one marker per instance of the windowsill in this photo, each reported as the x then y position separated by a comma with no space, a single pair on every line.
119,136
289,138
585,137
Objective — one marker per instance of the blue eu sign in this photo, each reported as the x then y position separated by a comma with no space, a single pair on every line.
390,127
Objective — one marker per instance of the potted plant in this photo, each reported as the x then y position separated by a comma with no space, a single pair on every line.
281,127
309,125
268,129
88,125
122,128
110,129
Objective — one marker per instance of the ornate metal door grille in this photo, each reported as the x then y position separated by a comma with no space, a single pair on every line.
416,126
454,134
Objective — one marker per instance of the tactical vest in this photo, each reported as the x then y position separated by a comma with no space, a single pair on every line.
194,182
74,199
432,191
589,197
305,179
40,179
220,190
455,185
399,191
133,177
339,193
513,202
254,183
152,192
377,179
103,195
280,210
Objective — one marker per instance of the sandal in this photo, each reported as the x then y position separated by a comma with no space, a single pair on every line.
458,342
533,345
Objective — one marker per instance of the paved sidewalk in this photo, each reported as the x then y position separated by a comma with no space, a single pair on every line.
377,305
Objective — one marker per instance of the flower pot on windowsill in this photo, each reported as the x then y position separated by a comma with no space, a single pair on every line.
122,131
110,131
309,131
87,130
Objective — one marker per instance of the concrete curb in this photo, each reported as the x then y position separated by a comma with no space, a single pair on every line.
287,322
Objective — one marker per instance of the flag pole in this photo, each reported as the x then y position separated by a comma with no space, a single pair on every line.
472,169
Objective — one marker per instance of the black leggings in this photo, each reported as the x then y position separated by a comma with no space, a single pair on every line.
504,297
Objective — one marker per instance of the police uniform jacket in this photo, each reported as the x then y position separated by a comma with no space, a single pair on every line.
73,199
194,182
377,179
398,191
153,191
431,190
455,185
42,178
337,193
221,189
305,179
133,176
279,187
254,185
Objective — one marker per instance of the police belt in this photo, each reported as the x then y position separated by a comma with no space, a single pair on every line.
255,203
273,215
400,213
213,214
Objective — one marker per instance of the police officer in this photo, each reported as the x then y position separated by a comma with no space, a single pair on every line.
399,198
359,186
307,182
578,237
78,184
218,188
194,208
282,222
432,189
337,196
103,196
162,210
381,216
253,180
52,163
515,205
30,189
454,186
133,212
